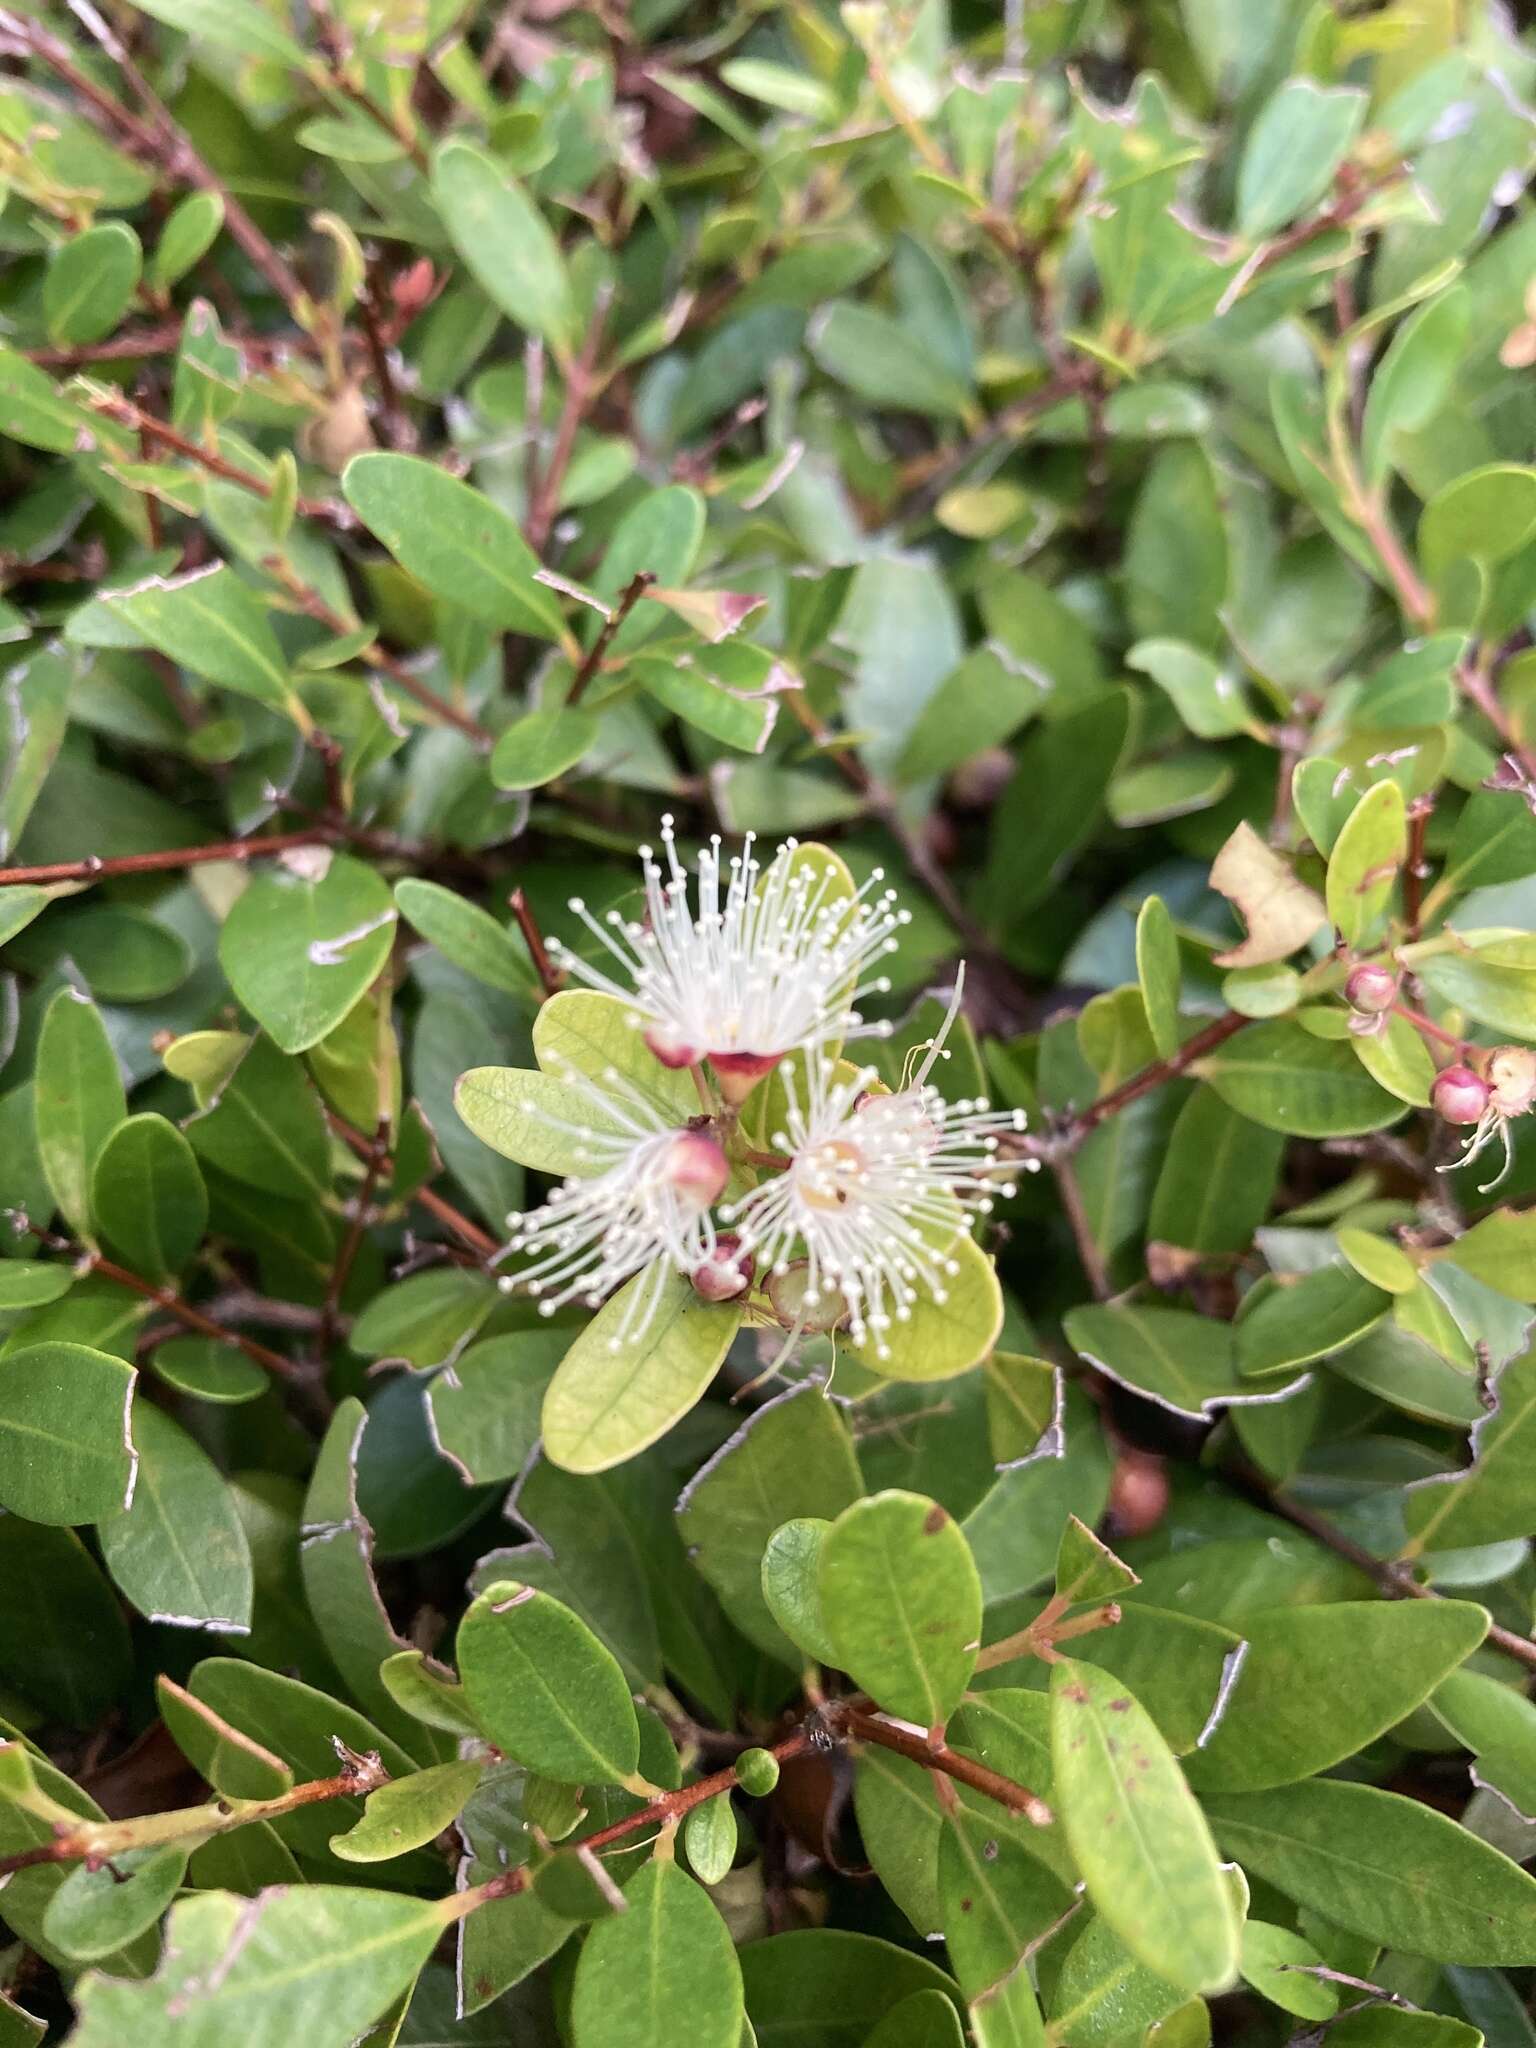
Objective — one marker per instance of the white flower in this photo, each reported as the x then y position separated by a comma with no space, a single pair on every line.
641,1198
774,960
874,1194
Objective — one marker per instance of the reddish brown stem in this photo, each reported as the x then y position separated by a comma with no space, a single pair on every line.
127,414
1217,1032
627,599
936,1757
551,980
468,1233
97,868
377,1159
1089,1255
1429,1028
544,499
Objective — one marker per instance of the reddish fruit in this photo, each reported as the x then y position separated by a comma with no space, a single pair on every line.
1459,1095
1371,989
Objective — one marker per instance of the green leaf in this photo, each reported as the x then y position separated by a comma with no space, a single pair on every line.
941,1338
408,1813
709,1836
504,242
95,1912
1049,810
1382,1866
823,1987
664,1969
542,745
310,1963
190,231
147,1196
468,936
1493,980
1217,1180
1366,857
263,1123
1275,1961
1308,1317
791,1585
901,1600
1501,1252
1140,1840
1205,695
35,695
1087,1569
879,359
1490,1501
545,1690
1318,1683
453,538
300,951
1296,143
213,624
1158,973
63,1636
793,1460
1103,1994
606,1404
34,412
978,705
1278,1074
208,1371
1484,514
241,27
485,1410
1184,1362
925,2020
178,1551
89,282
78,1101
996,1899
65,1453
1415,376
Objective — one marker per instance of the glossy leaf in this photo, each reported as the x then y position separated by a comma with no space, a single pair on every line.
544,1688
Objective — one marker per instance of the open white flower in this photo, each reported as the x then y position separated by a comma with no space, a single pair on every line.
773,960
641,1198
875,1192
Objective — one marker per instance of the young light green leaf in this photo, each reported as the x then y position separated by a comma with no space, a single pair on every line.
310,1963
408,1813
96,1912
542,745
544,1688
1278,1074
1158,973
1140,1840
65,1451
78,1101
605,1404
1366,857
901,1600
709,1837
89,282
147,1196
299,950
468,936
792,1587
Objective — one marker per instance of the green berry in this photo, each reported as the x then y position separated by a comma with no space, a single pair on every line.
757,1772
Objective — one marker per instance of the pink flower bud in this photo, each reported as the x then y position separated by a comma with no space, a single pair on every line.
1371,989
697,1168
727,1271
1459,1095
1512,1079
739,1072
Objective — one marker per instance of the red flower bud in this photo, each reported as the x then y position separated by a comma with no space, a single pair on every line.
1459,1095
727,1271
1371,989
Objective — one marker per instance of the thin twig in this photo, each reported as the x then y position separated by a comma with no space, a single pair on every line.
544,499
1090,1257
467,1232
330,511
95,1843
376,1160
551,980
95,867
627,599
937,1757
1217,1032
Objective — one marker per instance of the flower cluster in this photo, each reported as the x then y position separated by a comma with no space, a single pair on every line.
850,1216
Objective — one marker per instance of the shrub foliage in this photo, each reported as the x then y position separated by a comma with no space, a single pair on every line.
675,1468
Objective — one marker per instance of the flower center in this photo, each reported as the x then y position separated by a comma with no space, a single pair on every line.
829,1175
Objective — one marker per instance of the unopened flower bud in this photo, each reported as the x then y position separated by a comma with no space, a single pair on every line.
697,1168
727,1271
1512,1079
1459,1095
1371,989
